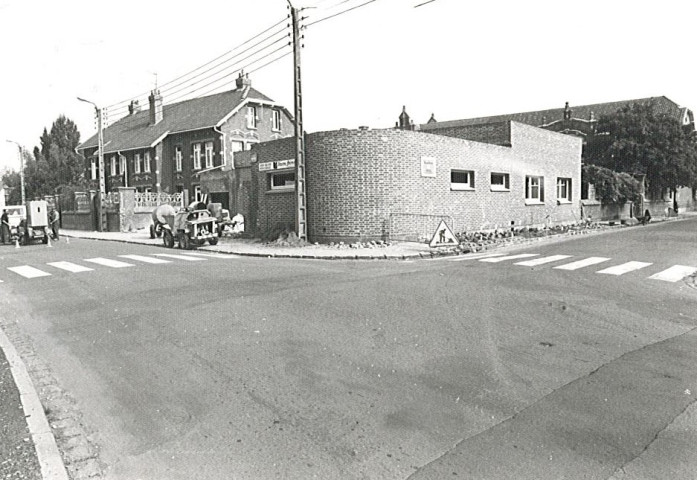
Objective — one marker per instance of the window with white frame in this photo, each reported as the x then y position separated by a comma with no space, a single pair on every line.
138,163
276,121
534,189
146,162
197,156
112,165
178,158
500,182
248,145
198,194
122,165
251,117
461,180
282,181
209,154
564,189
93,168
236,146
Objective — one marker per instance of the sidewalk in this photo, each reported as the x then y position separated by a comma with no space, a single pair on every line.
257,248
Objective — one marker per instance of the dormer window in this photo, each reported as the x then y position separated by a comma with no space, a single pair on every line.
276,121
251,117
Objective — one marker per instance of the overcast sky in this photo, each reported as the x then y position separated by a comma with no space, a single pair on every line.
453,58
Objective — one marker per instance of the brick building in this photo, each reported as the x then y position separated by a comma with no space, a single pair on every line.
398,184
167,147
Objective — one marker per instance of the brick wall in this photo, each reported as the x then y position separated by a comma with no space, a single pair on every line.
275,208
368,184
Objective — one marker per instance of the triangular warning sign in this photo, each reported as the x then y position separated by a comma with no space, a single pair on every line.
443,236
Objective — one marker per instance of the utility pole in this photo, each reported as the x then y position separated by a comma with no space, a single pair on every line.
21,169
300,197
100,153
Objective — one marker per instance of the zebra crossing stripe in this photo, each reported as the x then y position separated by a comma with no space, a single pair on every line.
582,263
143,258
71,267
29,272
181,257
624,268
543,260
508,257
674,273
108,262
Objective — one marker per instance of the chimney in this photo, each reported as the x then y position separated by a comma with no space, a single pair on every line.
404,120
155,100
243,80
133,107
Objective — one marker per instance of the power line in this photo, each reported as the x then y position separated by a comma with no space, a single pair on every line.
202,77
340,13
127,120
208,63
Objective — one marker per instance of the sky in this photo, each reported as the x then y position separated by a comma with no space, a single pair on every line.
451,58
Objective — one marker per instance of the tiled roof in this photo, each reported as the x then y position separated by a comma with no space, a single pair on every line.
543,117
135,131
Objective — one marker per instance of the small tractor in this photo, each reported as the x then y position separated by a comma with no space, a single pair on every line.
190,228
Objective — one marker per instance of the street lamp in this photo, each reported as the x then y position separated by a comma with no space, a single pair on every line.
100,153
21,167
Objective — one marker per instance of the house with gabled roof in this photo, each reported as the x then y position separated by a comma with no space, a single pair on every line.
168,147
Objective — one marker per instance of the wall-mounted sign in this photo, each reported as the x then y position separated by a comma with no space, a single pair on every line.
264,166
428,166
285,163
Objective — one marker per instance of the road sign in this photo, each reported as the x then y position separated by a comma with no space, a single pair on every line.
443,236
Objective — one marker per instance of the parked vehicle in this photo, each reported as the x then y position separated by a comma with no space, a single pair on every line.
28,223
190,228
37,222
159,219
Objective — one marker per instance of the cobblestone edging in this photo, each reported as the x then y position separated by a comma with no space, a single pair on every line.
79,453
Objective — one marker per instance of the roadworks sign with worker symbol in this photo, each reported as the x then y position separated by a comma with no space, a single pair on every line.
443,236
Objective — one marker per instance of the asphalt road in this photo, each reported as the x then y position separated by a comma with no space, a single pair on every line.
233,367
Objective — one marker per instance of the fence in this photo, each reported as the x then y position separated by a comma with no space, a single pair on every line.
415,227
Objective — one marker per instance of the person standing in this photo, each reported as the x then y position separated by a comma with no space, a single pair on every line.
53,218
5,226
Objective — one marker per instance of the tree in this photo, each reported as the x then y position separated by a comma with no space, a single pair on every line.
56,162
611,186
637,140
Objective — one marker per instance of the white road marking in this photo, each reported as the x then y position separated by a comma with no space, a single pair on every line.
674,273
71,267
108,262
542,261
470,256
508,257
29,272
582,263
181,257
143,258
624,268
